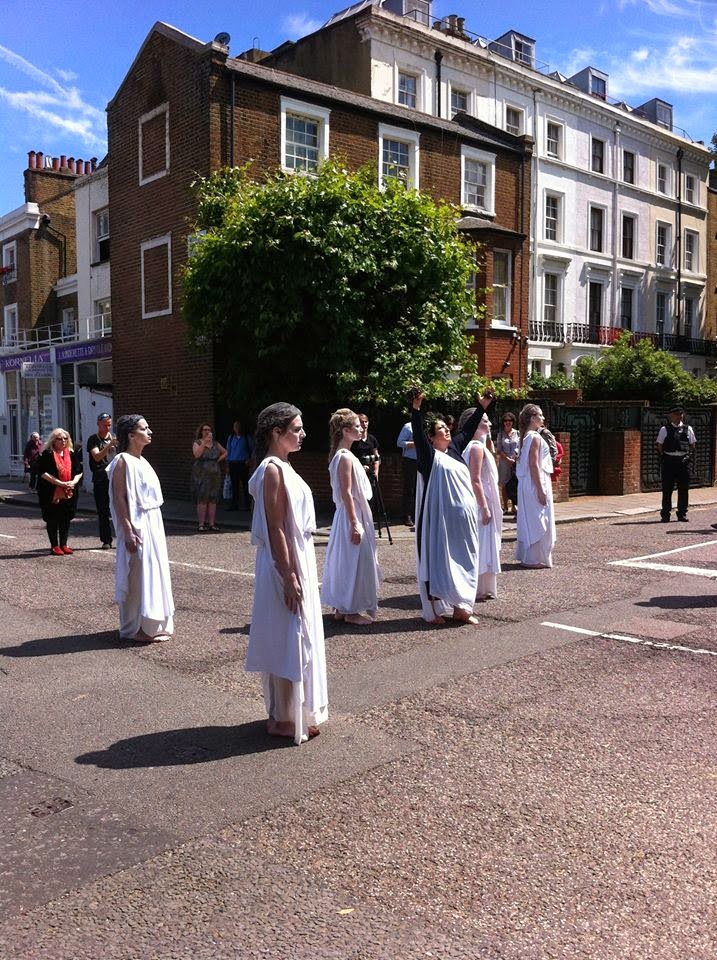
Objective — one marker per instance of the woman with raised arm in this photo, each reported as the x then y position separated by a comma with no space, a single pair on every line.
286,639
351,574
484,478
446,518
143,583
536,520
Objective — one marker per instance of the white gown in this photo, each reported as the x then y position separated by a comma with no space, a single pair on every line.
489,534
143,583
351,572
536,523
448,558
281,643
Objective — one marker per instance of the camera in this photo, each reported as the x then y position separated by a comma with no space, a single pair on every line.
370,458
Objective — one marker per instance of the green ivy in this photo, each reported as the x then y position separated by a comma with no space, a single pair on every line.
326,289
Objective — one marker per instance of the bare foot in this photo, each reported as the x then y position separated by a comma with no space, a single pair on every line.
313,732
462,616
142,637
338,617
280,728
358,619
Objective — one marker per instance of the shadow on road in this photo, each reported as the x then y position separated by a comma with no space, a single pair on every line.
77,643
169,748
680,602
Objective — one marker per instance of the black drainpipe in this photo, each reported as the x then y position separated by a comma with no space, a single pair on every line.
438,57
680,155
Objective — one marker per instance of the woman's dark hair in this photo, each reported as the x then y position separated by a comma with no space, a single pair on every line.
276,415
198,431
465,417
125,425
432,418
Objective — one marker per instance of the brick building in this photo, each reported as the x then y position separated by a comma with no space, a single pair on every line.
711,269
185,109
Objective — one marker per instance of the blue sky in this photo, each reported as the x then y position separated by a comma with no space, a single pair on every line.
60,62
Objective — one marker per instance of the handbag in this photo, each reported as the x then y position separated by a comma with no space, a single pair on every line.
511,488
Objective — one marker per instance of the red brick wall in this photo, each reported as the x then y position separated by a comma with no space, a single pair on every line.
620,462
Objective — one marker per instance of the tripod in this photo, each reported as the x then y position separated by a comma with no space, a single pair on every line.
380,506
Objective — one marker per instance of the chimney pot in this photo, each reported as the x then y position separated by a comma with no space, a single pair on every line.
63,161
39,158
93,161
55,163
71,164
460,23
79,166
31,160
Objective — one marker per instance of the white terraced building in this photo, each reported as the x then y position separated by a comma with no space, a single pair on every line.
619,194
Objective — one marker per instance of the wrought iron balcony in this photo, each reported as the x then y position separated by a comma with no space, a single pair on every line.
606,336
545,331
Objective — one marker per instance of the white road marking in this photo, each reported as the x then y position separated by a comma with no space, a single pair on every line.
644,563
7,536
193,566
626,639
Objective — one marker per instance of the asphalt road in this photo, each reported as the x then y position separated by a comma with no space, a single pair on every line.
539,786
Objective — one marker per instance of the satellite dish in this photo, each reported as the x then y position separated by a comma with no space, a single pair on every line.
222,38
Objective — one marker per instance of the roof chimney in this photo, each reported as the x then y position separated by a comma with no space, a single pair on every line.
63,161
71,164
39,159
31,160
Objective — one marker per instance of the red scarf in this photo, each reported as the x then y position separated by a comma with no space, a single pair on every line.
64,472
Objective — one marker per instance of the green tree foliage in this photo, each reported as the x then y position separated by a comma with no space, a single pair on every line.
640,372
556,381
326,289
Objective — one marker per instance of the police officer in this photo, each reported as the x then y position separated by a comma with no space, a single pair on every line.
675,444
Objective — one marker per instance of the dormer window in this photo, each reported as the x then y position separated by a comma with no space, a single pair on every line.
598,87
523,52
664,115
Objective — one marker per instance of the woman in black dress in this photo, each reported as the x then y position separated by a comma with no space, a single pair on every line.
59,471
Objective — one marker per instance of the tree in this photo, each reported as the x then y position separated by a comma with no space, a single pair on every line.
713,147
641,372
328,289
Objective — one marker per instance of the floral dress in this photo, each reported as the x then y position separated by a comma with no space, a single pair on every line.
206,479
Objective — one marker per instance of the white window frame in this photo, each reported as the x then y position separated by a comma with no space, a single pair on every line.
635,234
551,122
307,111
557,306
455,88
633,154
409,75
695,319
410,137
633,304
7,260
479,156
508,287
526,57
602,283
97,237
694,238
521,119
163,241
667,261
694,189
559,197
593,141
145,118
410,71
10,310
604,241
665,189
666,316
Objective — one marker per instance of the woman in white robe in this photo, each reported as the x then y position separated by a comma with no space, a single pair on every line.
143,584
286,638
446,518
536,518
351,574
484,478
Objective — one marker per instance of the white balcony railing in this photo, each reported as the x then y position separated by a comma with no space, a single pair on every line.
18,339
99,326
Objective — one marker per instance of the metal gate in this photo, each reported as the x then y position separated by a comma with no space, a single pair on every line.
701,469
583,425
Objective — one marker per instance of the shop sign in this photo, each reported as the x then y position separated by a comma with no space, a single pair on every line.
35,370
85,351
8,364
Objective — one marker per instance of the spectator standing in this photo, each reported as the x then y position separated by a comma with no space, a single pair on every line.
101,449
675,443
33,449
506,448
240,449
409,470
366,448
59,471
206,479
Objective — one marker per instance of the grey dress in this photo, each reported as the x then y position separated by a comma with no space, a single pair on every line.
206,480
507,444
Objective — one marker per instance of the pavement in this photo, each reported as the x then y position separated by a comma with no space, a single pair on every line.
570,511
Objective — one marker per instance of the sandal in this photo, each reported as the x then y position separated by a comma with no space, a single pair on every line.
201,528
214,528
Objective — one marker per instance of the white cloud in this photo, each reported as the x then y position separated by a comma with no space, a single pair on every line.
67,75
299,25
59,106
667,8
641,55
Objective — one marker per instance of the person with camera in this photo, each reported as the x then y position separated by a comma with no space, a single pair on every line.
206,478
675,444
101,448
351,573
366,450
447,520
